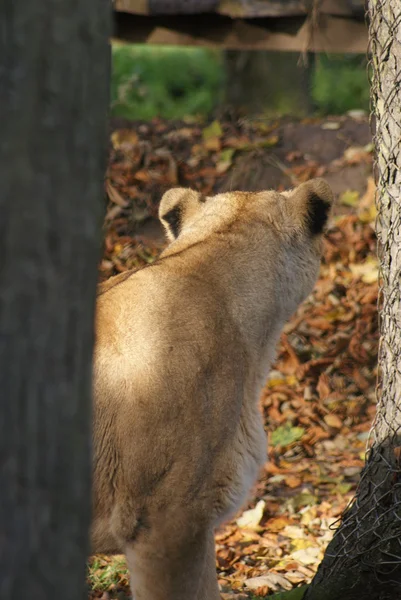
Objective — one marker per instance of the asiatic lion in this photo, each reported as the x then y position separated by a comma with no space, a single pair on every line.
182,351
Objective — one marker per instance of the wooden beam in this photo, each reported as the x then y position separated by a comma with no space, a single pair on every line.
331,34
235,8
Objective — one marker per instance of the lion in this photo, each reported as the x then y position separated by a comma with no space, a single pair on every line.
183,348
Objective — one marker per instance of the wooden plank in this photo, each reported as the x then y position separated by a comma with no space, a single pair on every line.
339,8
182,7
136,7
235,8
261,8
334,34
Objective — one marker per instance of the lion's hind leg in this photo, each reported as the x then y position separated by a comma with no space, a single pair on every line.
173,563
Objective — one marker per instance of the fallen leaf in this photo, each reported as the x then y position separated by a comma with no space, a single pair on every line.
266,142
357,113
343,488
277,524
294,532
115,196
308,515
367,211
332,125
349,198
367,271
212,131
323,386
292,481
356,154
182,133
211,136
124,138
276,378
251,518
225,160
244,144
303,499
143,176
333,421
307,556
212,144
286,435
273,581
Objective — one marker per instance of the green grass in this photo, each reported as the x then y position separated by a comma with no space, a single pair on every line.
107,573
175,82
340,83
164,81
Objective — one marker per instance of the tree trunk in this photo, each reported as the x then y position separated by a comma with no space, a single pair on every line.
364,557
269,83
54,82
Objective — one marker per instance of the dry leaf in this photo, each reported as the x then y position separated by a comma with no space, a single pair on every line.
349,198
277,524
333,421
250,519
323,386
292,481
294,532
273,581
124,139
307,556
115,196
332,125
367,271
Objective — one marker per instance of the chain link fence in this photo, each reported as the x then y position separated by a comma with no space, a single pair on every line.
365,553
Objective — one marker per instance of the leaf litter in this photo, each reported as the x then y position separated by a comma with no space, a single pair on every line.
319,400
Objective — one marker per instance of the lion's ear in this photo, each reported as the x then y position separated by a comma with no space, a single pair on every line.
311,204
175,207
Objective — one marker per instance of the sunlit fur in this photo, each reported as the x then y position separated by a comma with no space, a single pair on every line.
183,347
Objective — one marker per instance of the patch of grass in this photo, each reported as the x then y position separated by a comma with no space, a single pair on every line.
294,594
340,83
174,82
168,82
107,573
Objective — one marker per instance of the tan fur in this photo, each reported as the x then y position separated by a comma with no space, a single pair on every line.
183,348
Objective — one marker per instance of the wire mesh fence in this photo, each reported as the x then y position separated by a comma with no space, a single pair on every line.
367,544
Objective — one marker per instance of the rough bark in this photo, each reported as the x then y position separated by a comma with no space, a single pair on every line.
54,94
269,83
364,558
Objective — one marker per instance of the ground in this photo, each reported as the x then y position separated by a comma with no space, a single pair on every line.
319,400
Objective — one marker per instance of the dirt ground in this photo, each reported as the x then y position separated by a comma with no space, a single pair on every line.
319,400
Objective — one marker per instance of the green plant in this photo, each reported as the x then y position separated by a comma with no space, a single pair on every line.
168,82
174,82
107,573
340,83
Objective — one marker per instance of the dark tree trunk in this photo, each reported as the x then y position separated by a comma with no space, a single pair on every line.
363,561
270,83
54,93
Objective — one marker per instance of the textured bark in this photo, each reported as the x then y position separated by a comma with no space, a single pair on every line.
364,558
54,92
